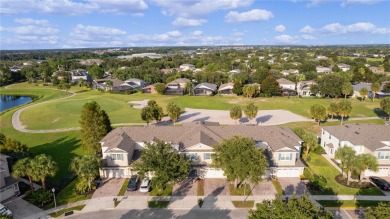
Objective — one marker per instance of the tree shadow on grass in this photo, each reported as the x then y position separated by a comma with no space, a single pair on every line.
62,151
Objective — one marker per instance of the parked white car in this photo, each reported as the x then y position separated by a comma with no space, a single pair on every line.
4,211
145,185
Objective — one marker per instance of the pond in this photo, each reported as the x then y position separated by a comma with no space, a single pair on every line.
9,101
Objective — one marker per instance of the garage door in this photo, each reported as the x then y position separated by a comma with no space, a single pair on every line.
288,172
214,173
382,171
7,193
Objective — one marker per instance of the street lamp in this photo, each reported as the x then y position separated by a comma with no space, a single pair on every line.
54,195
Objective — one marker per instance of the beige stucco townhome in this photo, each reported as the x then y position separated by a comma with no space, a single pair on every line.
122,146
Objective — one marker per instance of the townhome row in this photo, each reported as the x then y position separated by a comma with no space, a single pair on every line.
363,138
122,146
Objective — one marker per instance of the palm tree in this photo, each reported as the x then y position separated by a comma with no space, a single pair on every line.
345,108
333,110
189,87
173,111
43,166
364,162
109,85
375,88
236,113
311,142
250,111
347,156
86,167
363,93
346,89
23,168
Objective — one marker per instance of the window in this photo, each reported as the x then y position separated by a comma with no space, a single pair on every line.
116,156
384,155
330,136
206,156
285,156
192,156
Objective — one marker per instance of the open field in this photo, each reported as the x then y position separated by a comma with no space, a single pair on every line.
66,113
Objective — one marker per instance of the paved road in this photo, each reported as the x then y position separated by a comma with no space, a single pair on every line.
165,213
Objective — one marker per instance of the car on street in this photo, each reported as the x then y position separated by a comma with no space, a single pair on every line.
381,183
133,183
4,211
145,185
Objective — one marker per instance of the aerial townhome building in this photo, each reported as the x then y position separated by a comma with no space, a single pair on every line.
363,138
205,89
122,146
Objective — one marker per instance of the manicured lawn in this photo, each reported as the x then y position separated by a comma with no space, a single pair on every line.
349,203
123,188
243,190
200,191
158,204
59,213
243,204
69,195
277,186
166,192
322,167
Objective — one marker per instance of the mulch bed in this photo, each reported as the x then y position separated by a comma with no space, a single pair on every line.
363,185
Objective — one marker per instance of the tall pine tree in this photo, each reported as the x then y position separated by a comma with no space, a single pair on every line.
95,124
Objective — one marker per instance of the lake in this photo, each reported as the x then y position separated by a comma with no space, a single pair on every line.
9,101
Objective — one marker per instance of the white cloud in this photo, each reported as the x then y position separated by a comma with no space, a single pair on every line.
198,8
307,29
184,22
29,21
252,15
366,2
197,33
360,27
280,28
308,37
382,31
174,33
95,36
72,7
237,33
286,39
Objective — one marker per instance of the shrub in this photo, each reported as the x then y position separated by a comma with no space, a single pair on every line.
82,186
40,197
317,182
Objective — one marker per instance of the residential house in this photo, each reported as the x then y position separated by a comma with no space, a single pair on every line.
344,67
303,88
287,87
322,58
8,186
177,86
121,147
225,89
376,70
358,87
136,83
234,71
149,89
117,85
382,93
15,68
364,139
91,62
290,71
325,70
186,67
78,74
205,89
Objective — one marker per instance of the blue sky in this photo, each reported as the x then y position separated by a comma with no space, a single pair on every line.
48,24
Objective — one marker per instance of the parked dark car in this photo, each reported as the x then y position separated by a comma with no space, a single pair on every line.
133,183
381,183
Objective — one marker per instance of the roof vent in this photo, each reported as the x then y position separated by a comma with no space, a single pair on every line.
357,133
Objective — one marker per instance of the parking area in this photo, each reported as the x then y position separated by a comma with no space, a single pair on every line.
136,192
215,187
21,208
351,214
109,187
264,188
291,185
188,187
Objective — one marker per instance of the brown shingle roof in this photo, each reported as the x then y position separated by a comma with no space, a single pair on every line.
284,81
361,134
188,135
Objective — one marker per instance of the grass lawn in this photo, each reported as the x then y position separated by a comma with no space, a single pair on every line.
158,204
166,192
66,113
243,204
124,187
200,189
349,203
69,195
278,187
321,166
59,213
243,190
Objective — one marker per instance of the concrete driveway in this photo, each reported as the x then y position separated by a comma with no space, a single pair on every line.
110,187
216,187
21,208
291,185
264,188
188,187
